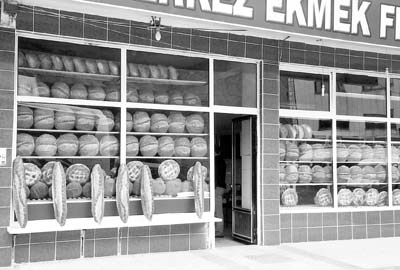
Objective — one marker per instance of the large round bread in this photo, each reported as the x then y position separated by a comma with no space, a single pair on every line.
169,170
166,146
43,119
85,120
46,145
292,151
73,190
323,198
47,173
67,145
158,186
191,99
161,97
132,146
182,147
57,62
78,91
65,119
141,122
345,197
154,72
88,145
91,66
176,97
32,59
96,92
289,197
105,122
129,122
103,67
355,154
173,187
146,96
148,146
305,174
25,117
291,174
319,175
343,174
177,122
80,65
25,144
45,61
68,63
198,147
60,90
32,174
78,173
113,93
132,94
305,152
159,123
358,197
39,191
109,146
43,89
134,170
195,123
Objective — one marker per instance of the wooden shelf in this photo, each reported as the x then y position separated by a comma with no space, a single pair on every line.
305,140
165,107
363,162
362,142
69,157
306,184
362,184
361,96
157,157
165,81
76,75
66,131
62,101
168,134
305,162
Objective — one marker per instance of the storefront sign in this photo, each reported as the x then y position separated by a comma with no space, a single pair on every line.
370,21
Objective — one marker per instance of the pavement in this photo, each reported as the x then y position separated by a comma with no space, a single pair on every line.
374,254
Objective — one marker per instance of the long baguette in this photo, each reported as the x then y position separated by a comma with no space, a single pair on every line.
97,183
198,189
146,193
122,193
19,192
59,193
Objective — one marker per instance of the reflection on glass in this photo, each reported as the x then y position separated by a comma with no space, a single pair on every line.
360,95
235,84
303,91
395,98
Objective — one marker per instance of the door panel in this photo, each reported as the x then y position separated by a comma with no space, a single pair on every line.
244,175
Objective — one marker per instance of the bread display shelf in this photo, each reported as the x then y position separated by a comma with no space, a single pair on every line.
306,184
168,134
363,142
305,162
67,131
165,81
363,162
75,75
62,101
165,107
362,184
157,157
305,140
68,157
361,96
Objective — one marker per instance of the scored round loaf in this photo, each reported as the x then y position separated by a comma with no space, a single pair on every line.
368,174
43,119
88,145
134,170
67,145
380,172
358,196
78,173
79,64
38,191
356,174
144,71
195,123
129,122
114,68
132,94
169,170
60,90
282,150
292,151
177,122
25,144
148,146
85,120
191,99
291,131
182,147
283,131
291,174
176,97
342,152
91,66
102,67
159,123
32,174
289,197
305,174
161,97
395,174
105,122
166,146
24,117
395,154
96,92
367,153
32,60
319,175
379,152
355,154
154,72
109,146
57,62
343,174
64,119
173,73
132,146
141,122
73,190
46,145
68,63
45,61
305,152
47,173
299,131
87,190
43,89
328,174
78,91
133,70
21,59
345,197
146,96
198,147
113,93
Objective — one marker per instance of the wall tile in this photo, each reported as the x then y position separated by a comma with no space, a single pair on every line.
139,34
329,233
5,196
21,253
270,146
234,37
200,44
42,252
270,176
270,161
139,244
139,231
359,232
25,18
165,42
160,230
254,40
271,86
383,64
342,61
89,234
270,131
198,228
387,217
7,40
314,234
94,27
68,250
46,20
159,243
236,48
68,235
270,101
396,230
356,62
187,31
359,218
7,79
271,54
219,46
344,218
6,138
329,219
345,232
272,238
5,255
6,119
179,242
271,207
198,241
299,220
123,232
118,30
71,24
271,42
124,246
327,59
253,51
5,238
271,222
299,235
373,231
180,229
314,219
395,66
7,63
22,239
106,233
373,217
88,251
180,41
5,216
286,235
270,192
296,56
105,247
371,64
43,237
286,221
5,177
200,33
271,71
387,230
7,101
311,58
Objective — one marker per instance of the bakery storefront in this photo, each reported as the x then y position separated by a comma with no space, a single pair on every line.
109,124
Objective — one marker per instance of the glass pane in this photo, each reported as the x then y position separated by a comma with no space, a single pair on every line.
167,79
304,91
362,163
306,162
360,95
395,98
235,84
395,130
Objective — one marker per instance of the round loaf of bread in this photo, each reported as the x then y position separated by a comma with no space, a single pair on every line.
343,174
368,174
195,123
342,152
356,174
105,122
158,186
132,94
355,154
144,71
291,174
395,174
308,133
88,145
67,145
159,123
45,61
57,62
32,174
132,146
395,154
91,66
60,90
134,170
292,152
177,122
367,154
154,72
113,93
169,170
73,190
114,68
78,91
318,174
191,99
85,120
43,119
25,144
25,117
379,152
176,97
182,147
380,172
80,65
305,174
328,173
148,146
166,146
68,63
173,187
141,122
96,92
109,146
129,122
305,152
21,59
46,145
198,147
39,191
32,59
146,96
161,97
43,89
103,67
65,119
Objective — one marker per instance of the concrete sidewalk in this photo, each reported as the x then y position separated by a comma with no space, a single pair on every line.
377,254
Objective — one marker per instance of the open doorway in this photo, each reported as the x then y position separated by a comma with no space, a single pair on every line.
236,189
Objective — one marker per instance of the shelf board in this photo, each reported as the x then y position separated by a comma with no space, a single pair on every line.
66,131
306,140
305,162
168,134
77,75
363,162
165,107
69,157
110,222
363,142
362,184
361,96
306,184
157,157
165,81
63,101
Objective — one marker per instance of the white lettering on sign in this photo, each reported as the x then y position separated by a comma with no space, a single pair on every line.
386,21
397,34
295,8
3,156
321,13
359,17
240,9
271,14
340,14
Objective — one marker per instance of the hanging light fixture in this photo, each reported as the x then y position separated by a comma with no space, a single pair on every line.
155,24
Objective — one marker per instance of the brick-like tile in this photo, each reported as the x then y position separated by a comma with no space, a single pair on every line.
387,230
140,244
7,101
95,27
344,218
271,54
271,207
6,120
7,79
314,219
159,243
271,86
180,229
329,233
329,219
106,247
299,220
373,217
360,232
253,51
270,161
179,242
118,30
5,196
271,222
68,250
311,58
46,20
359,218
6,63
198,228
139,231
327,59
106,233
299,235
219,46
43,237
7,40
42,252
271,192
270,131
236,48
71,24
387,217
270,101
272,238
314,234
21,239
200,44
88,251
5,238
286,235
373,231
345,233
198,241
180,41
21,253
139,34
286,221
160,230
68,235
5,257
25,19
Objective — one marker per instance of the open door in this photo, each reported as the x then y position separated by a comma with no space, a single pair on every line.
244,179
